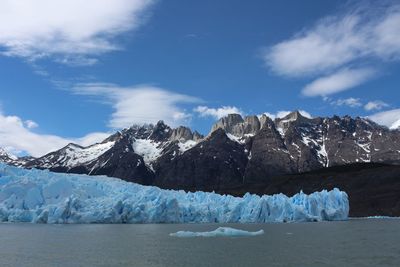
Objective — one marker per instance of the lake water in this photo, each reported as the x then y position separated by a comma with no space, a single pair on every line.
358,242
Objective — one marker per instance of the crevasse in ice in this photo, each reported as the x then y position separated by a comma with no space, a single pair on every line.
45,197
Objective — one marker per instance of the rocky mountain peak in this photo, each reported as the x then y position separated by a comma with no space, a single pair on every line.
219,133
161,132
231,124
251,125
182,134
6,156
197,136
265,121
235,124
294,117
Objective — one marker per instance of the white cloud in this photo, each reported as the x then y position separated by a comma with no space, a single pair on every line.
351,102
74,31
331,43
217,113
17,137
140,104
337,44
375,105
338,82
366,31
284,113
30,124
390,118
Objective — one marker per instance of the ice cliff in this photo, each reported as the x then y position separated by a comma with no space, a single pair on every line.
45,197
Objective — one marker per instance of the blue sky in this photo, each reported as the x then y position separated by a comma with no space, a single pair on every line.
73,72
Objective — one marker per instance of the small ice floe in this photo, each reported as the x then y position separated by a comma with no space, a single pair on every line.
382,217
220,231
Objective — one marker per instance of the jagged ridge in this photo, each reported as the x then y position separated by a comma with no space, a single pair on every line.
237,151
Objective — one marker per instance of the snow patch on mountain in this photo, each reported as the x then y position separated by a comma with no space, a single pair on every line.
74,155
240,140
184,146
77,155
150,150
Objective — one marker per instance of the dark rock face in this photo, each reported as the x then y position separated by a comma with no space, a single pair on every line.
215,163
122,162
118,161
296,144
124,155
268,155
373,188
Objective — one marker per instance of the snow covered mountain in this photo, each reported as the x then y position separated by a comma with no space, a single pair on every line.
128,154
237,151
7,157
12,159
253,149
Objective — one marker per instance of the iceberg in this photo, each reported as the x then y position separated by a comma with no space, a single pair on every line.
40,196
220,231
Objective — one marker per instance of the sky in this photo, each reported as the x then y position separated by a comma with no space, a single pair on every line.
73,71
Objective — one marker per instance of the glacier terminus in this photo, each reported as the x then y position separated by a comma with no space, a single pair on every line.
39,196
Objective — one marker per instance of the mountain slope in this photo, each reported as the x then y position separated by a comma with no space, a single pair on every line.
129,154
237,151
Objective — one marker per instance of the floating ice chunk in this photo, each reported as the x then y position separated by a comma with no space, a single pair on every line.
45,197
382,217
220,231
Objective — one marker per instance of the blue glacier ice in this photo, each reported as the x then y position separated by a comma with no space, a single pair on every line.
220,231
45,197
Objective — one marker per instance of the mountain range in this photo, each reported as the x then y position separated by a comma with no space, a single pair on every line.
237,153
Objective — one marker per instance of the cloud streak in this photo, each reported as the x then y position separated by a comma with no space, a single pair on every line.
350,102
140,104
340,48
375,105
338,82
73,31
217,113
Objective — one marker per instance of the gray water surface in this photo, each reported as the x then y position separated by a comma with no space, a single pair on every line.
361,242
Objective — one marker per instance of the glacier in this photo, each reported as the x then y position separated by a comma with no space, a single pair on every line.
40,196
220,231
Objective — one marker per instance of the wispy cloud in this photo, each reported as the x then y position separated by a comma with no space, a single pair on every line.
350,102
336,46
17,135
375,105
72,31
217,113
338,82
30,124
140,104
